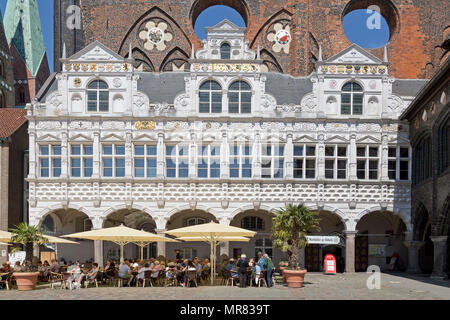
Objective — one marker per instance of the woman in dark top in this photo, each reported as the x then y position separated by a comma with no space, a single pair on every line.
242,269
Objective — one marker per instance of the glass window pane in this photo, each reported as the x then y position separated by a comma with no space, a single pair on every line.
361,151
404,152
310,151
107,163
346,98
342,151
329,151
88,163
246,107
345,109
107,150
44,150
170,151
88,150
347,87
373,152
56,150
298,150
139,150
139,163
120,150
76,172
183,150
92,106
235,86
88,172
92,95
76,163
102,85
392,152
152,150
215,86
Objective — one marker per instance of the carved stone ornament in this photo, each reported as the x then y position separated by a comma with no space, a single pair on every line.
268,101
289,108
161,108
309,103
395,103
155,36
181,101
281,38
140,100
145,125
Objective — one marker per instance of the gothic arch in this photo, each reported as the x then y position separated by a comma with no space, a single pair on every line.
270,60
388,10
141,58
180,38
443,227
199,6
176,54
421,220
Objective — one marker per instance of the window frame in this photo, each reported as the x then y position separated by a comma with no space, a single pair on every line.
336,158
82,157
210,159
114,157
242,159
367,158
221,51
210,93
98,100
51,156
146,157
240,92
352,94
177,159
398,160
275,158
305,158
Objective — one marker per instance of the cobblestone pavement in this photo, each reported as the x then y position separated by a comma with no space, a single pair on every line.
316,287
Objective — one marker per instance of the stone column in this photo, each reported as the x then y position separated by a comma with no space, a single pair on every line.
98,252
350,251
289,157
161,246
160,157
413,255
352,162
96,148
440,258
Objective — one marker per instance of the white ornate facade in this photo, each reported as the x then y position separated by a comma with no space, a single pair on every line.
315,153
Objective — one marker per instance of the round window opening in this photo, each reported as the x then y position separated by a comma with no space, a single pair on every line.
215,14
366,28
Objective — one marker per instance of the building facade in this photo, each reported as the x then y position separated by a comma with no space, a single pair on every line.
227,142
429,118
13,170
415,45
26,44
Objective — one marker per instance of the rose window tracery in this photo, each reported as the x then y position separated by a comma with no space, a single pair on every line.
281,38
155,36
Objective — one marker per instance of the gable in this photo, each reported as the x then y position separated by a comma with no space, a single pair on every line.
336,139
96,51
224,25
368,139
354,54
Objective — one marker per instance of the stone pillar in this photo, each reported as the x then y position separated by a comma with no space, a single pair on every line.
413,255
161,246
98,252
440,257
289,157
224,157
352,162
350,251
160,158
97,151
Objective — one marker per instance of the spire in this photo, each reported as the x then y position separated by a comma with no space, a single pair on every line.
193,53
320,53
385,58
130,52
64,54
23,32
258,53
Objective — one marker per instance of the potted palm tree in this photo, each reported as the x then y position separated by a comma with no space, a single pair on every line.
27,236
289,230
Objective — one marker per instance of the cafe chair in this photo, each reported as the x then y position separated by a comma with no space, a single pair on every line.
6,281
230,278
191,276
262,278
88,281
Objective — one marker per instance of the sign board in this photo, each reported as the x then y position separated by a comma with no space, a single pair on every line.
17,256
330,264
3,253
323,239
377,250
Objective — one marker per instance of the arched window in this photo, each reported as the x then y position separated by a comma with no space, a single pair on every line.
252,223
225,51
195,221
21,95
352,99
444,139
210,95
422,160
240,97
98,96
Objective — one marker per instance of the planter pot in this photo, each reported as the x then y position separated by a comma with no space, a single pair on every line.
294,278
26,281
282,273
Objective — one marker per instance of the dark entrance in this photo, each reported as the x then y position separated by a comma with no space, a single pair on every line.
361,252
312,258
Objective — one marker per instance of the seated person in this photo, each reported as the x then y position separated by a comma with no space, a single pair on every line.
75,277
125,271
46,267
155,270
141,273
92,274
17,267
171,270
230,267
55,267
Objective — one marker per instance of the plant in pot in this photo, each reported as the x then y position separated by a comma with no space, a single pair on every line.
283,265
289,230
27,235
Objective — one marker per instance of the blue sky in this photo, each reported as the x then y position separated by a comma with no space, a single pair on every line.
354,25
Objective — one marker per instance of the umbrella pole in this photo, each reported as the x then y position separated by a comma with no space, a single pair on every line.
142,251
212,257
121,251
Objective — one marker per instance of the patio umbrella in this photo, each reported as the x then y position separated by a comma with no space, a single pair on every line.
4,244
5,236
120,235
212,233
157,238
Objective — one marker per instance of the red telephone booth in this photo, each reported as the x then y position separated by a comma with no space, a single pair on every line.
330,264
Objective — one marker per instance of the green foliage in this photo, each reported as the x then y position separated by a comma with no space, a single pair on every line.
27,236
289,230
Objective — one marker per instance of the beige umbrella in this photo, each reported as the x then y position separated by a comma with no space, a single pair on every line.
212,233
5,236
121,235
4,244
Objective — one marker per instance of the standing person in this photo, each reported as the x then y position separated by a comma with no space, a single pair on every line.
261,261
178,255
243,266
269,268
